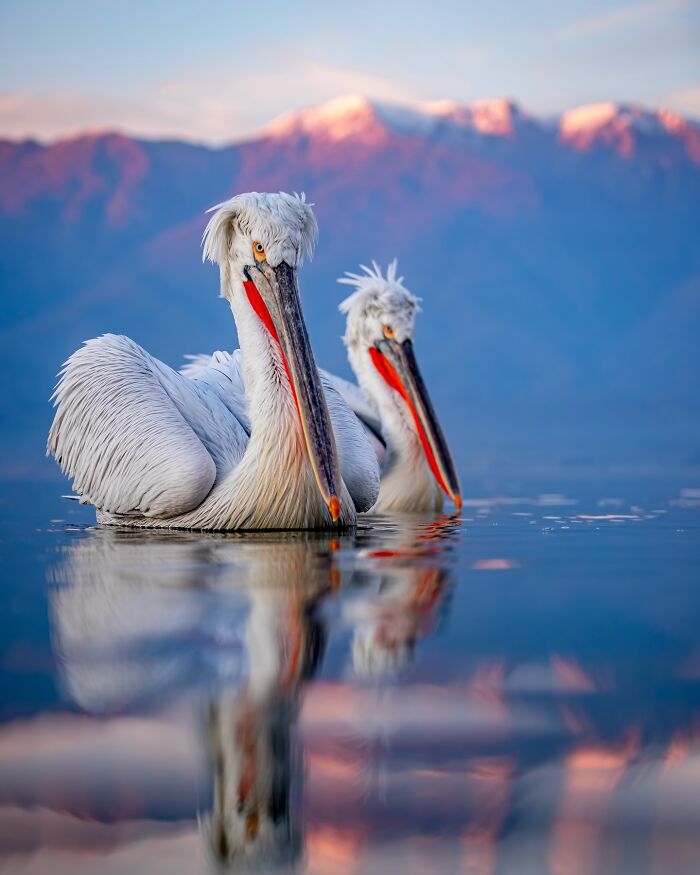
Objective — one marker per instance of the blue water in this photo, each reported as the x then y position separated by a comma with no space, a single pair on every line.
516,690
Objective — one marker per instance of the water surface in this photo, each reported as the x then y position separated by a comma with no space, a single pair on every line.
515,690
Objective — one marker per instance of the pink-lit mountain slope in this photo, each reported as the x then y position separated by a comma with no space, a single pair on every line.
557,259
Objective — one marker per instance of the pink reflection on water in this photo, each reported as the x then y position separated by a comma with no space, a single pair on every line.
494,564
592,774
489,785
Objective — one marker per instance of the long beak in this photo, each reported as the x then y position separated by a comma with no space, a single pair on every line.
274,294
396,362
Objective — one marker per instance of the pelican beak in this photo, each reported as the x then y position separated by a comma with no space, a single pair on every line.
274,294
397,364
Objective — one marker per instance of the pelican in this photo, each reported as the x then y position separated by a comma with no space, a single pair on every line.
392,400
149,447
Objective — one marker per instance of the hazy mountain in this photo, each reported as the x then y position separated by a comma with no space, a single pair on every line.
558,261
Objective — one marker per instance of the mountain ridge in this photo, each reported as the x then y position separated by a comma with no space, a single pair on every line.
547,268
495,116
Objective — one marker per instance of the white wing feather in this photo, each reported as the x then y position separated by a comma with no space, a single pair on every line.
136,437
195,364
223,373
358,462
357,401
358,448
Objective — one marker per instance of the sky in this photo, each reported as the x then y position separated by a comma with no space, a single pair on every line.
219,71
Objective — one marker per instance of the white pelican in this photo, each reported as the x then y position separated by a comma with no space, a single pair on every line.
151,448
416,462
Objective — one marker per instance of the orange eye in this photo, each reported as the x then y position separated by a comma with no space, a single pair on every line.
252,825
259,252
388,332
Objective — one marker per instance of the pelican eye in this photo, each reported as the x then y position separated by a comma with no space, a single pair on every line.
252,826
259,252
388,332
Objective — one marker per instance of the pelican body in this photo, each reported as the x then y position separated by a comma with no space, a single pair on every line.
149,447
392,400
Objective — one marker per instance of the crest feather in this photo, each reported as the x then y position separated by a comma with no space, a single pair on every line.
372,286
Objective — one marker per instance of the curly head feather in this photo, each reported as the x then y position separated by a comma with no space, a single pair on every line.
377,299
283,223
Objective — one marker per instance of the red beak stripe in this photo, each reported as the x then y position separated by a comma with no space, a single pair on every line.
391,377
259,306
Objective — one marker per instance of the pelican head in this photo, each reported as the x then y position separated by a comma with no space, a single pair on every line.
259,241
379,337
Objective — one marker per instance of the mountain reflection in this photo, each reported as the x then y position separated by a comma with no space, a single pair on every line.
382,701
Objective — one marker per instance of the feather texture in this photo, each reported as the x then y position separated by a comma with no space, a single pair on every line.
356,447
124,432
223,447
378,300
355,399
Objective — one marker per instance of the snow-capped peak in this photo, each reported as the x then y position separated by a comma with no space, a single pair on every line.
355,115
613,124
336,119
617,126
499,117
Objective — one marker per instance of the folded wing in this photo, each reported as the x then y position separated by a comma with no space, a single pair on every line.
135,436
355,398
358,461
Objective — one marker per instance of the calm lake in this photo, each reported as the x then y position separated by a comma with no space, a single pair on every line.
515,691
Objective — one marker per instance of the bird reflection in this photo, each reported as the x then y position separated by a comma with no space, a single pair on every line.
254,761
136,618
543,743
409,580
139,619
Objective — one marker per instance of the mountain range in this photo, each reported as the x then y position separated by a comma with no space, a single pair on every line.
557,259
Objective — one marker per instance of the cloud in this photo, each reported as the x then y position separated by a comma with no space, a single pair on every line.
215,107
617,19
53,115
685,100
249,100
